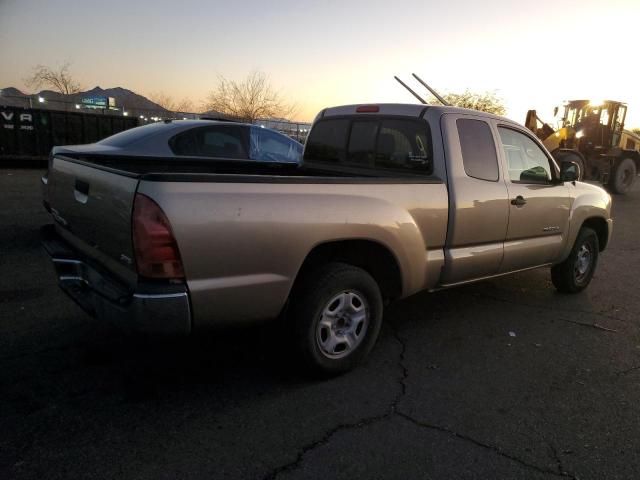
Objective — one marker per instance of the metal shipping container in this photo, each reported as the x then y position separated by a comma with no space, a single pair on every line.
30,133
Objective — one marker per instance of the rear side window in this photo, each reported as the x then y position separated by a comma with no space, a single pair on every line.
220,141
393,144
478,149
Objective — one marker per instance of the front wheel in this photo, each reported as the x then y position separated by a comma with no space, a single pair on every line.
624,174
574,274
336,315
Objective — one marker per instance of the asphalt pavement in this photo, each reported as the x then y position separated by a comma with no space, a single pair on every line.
504,379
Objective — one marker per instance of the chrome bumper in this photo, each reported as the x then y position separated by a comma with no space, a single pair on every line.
148,308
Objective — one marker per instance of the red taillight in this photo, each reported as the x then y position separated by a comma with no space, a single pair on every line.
155,247
368,109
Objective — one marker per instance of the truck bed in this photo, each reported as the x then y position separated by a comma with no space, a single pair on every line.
220,211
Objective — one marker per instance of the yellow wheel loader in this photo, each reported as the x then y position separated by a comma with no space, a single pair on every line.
592,134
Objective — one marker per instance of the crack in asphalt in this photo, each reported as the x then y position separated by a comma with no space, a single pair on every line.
363,422
495,449
323,441
629,370
556,457
405,370
554,309
392,411
591,325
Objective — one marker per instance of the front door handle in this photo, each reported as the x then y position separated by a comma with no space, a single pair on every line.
519,201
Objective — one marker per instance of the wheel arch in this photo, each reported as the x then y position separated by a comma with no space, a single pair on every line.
600,226
373,257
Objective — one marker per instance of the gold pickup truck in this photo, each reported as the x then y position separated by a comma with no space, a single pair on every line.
390,200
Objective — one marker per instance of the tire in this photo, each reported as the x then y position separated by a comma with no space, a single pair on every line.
335,317
574,274
572,157
624,174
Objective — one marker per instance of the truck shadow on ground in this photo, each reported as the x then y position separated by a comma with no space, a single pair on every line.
254,358
262,357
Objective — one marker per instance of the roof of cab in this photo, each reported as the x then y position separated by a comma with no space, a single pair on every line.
404,109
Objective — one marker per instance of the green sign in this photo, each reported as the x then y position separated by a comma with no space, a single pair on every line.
98,102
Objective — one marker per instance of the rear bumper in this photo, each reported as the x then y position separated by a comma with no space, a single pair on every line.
147,308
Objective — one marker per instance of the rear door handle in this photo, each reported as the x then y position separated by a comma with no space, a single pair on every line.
519,201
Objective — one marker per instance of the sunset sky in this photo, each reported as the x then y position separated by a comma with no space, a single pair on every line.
323,53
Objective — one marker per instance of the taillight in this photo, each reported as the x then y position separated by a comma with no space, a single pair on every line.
367,109
155,247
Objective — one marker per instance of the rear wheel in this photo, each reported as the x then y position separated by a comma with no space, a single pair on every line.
624,174
574,274
336,315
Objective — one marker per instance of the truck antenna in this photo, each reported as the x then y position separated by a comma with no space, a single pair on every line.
433,92
412,92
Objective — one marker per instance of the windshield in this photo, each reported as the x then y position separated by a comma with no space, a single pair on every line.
576,115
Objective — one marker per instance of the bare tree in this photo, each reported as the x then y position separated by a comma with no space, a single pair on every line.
59,79
167,102
249,99
184,105
485,102
162,99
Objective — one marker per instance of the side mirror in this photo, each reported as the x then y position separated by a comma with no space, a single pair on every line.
555,111
569,171
534,175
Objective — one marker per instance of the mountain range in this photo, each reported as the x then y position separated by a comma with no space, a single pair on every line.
131,102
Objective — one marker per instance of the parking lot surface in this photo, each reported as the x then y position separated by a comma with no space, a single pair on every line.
503,379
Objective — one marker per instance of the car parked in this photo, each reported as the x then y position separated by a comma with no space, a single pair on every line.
195,139
195,144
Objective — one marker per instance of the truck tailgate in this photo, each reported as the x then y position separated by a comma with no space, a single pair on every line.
92,208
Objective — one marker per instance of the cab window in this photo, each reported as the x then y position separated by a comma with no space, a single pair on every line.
361,148
402,144
391,144
478,149
527,162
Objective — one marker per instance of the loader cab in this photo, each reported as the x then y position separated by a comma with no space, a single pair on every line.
593,124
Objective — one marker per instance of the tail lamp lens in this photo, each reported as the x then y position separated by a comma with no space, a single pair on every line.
155,247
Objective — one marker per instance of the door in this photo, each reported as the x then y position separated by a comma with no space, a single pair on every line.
478,200
539,206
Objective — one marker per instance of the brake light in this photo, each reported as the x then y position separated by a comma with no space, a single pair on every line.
368,109
155,247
